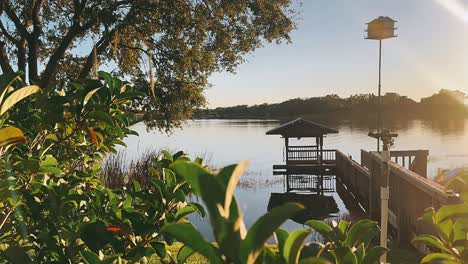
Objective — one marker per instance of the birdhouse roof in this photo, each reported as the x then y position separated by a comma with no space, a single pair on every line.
382,18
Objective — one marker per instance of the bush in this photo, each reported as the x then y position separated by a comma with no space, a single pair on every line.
450,222
54,208
235,244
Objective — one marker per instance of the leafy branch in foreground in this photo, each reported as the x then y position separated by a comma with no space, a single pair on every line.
53,206
235,244
450,222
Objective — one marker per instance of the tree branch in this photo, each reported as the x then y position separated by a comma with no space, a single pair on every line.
12,15
7,34
33,40
51,67
101,46
4,60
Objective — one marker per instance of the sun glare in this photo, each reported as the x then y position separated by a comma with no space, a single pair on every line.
456,8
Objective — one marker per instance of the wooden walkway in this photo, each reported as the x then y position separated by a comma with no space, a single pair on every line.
410,191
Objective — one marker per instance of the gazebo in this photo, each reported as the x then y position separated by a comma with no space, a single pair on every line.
305,165
303,154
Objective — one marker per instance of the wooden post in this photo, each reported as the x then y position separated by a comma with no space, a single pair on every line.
420,166
374,207
286,144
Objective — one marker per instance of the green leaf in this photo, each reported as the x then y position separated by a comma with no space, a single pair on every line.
373,255
264,227
11,135
50,170
101,116
90,257
343,226
6,80
184,253
137,186
293,245
16,254
344,255
48,161
170,178
167,155
95,235
17,96
361,231
324,229
314,260
232,183
281,235
199,208
191,172
311,250
184,211
451,211
89,95
432,241
187,234
160,249
440,258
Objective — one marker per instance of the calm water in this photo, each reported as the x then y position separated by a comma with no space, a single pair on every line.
224,142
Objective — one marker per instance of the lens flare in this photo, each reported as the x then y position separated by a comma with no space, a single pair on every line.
456,8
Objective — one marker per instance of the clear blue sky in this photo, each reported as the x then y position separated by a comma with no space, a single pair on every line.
330,55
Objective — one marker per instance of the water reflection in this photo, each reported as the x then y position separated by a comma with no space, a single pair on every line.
317,207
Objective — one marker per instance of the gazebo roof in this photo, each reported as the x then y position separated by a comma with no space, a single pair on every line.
301,128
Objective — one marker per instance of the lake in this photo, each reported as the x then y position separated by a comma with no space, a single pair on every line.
225,142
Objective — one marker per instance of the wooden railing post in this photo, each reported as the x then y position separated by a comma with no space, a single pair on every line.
420,163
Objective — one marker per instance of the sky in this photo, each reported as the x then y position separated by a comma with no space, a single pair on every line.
329,55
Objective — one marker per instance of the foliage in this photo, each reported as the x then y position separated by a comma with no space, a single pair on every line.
182,42
54,208
236,244
346,243
450,222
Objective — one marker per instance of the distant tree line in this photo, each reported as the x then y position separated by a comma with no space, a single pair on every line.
445,103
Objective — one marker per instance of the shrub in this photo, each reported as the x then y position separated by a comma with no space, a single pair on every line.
235,244
450,222
54,208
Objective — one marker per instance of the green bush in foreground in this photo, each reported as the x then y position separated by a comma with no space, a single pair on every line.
235,244
53,207
450,222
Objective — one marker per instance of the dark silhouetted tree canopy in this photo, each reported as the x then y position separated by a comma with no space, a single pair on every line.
187,40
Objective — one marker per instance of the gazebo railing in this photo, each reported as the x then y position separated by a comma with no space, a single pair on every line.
309,153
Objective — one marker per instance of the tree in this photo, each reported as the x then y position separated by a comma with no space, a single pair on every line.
181,42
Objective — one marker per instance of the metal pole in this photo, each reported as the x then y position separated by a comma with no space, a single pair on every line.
380,99
384,197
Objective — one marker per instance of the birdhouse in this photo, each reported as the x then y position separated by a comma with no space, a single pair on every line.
381,28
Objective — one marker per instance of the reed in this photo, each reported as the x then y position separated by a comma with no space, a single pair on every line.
118,171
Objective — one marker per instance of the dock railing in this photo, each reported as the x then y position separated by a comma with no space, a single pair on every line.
410,192
308,154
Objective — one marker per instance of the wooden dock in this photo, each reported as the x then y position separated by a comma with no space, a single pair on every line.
311,168
410,191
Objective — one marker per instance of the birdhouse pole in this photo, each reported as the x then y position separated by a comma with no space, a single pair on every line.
380,29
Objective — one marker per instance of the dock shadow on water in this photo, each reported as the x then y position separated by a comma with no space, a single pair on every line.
317,207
